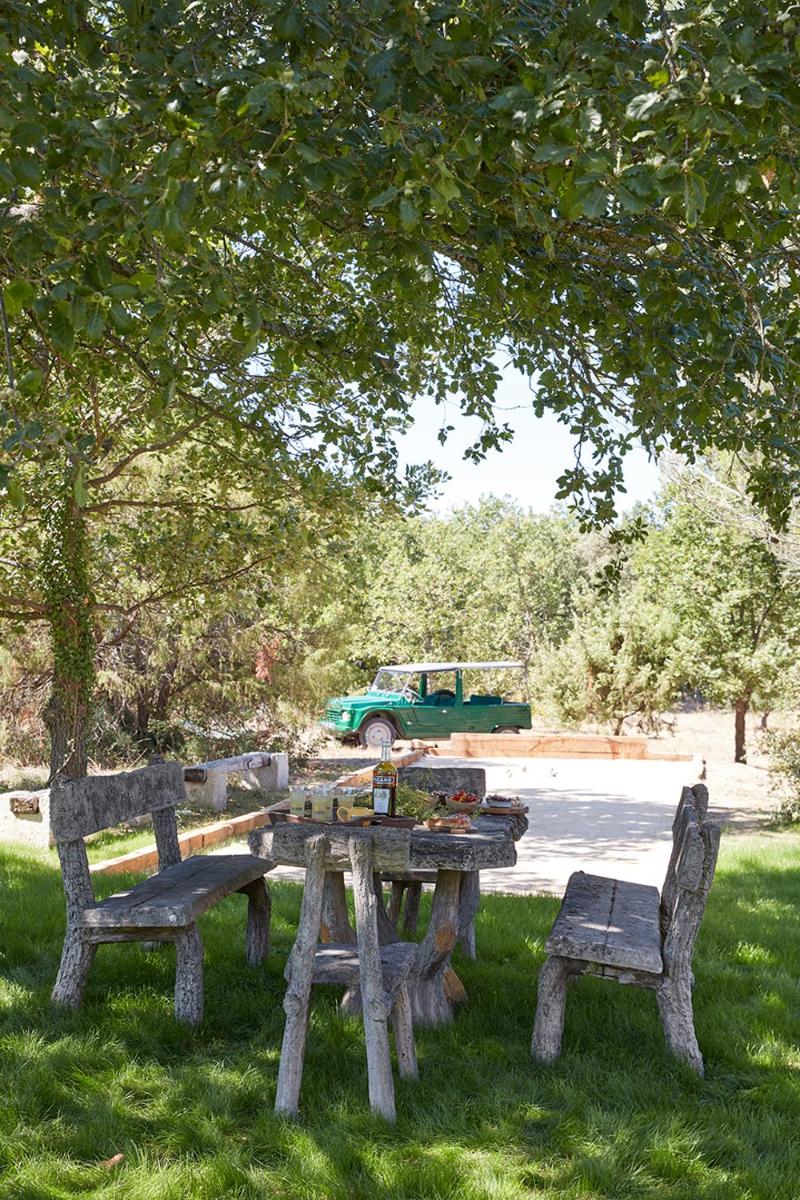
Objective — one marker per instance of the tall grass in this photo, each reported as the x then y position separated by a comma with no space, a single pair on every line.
192,1112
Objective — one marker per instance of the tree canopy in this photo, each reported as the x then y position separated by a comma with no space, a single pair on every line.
373,196
256,230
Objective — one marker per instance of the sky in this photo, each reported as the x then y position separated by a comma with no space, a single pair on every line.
526,469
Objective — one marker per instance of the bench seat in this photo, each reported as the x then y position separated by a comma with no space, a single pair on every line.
339,964
608,921
175,897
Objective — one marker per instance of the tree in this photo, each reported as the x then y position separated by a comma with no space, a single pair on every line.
735,609
259,228
614,664
488,581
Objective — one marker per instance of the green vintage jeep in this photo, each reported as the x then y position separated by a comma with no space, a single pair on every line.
423,700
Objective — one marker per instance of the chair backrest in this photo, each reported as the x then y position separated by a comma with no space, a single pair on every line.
445,779
79,807
695,846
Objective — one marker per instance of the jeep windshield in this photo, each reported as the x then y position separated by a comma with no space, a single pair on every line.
390,681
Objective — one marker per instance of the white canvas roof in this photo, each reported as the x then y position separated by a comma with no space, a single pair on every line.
452,666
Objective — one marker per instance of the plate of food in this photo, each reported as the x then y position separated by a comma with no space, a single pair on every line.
454,823
503,806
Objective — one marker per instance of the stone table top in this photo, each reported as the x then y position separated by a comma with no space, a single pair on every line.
490,846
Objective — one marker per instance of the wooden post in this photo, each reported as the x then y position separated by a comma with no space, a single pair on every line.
396,902
299,971
674,998
429,999
373,993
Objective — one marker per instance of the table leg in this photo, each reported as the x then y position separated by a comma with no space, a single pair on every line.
335,924
469,901
435,987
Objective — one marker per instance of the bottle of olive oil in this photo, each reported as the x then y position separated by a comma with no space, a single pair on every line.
384,783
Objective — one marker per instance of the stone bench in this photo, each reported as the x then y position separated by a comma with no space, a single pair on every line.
25,817
207,783
163,908
629,933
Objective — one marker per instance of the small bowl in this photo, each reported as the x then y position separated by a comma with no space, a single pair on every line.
469,806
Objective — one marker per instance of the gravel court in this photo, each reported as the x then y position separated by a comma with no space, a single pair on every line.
605,816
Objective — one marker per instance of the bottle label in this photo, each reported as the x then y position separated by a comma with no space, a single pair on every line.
381,797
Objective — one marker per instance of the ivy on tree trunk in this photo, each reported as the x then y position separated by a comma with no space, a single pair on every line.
70,604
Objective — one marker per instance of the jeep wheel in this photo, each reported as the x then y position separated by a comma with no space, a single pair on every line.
375,731
507,729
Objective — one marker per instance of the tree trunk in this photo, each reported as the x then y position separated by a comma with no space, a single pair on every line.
740,713
765,720
69,609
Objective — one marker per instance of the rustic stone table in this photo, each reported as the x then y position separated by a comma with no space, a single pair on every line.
457,859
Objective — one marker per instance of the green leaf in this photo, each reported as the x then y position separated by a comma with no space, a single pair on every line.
14,492
17,295
122,320
31,382
645,105
385,197
409,214
95,322
695,194
60,329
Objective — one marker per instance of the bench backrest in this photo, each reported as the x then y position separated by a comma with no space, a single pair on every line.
695,845
79,807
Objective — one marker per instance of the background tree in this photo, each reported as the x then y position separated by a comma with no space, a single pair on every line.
736,611
485,582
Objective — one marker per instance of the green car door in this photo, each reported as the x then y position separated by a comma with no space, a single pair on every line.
439,709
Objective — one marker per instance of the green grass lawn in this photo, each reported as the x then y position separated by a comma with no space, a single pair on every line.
192,1112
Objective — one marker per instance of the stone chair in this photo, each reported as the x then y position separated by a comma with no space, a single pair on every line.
406,886
163,908
380,973
627,932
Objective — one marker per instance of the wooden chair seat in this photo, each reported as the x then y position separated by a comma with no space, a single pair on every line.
340,965
177,896
609,921
379,973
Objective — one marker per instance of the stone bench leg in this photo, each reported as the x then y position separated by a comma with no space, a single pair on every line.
674,998
275,777
189,976
468,904
411,913
550,1005
396,902
403,1025
77,957
259,909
